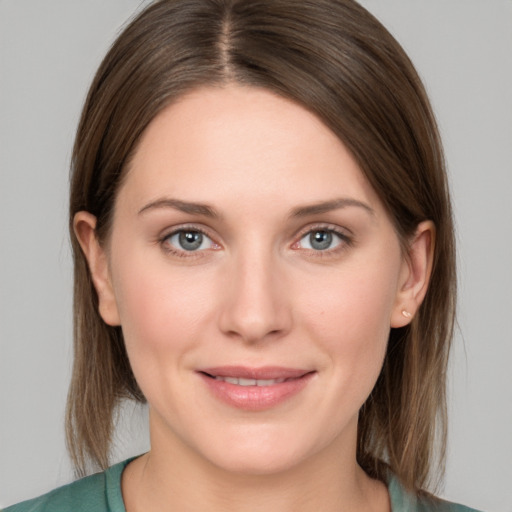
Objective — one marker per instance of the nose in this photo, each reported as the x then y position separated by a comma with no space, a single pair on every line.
257,305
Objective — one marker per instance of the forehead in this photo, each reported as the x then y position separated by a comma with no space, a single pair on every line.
214,143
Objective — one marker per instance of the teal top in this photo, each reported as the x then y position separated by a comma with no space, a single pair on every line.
102,493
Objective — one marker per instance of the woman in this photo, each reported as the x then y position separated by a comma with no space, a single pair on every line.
264,252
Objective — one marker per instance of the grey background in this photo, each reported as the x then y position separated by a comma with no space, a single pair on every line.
49,51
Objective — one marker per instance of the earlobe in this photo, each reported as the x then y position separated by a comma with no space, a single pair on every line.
415,275
84,224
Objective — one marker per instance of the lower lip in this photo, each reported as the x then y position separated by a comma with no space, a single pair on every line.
256,398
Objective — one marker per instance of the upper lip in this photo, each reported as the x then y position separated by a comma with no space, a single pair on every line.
260,373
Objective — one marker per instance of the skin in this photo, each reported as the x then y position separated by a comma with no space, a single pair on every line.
256,293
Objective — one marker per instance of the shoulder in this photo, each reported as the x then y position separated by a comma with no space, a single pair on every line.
402,501
438,505
100,492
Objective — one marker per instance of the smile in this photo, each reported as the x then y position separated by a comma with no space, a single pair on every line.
250,382
255,389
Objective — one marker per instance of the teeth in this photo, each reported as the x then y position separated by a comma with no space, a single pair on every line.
267,382
246,382
250,382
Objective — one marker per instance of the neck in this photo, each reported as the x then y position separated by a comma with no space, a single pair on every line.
172,477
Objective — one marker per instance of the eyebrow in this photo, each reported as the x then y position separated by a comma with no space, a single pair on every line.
208,211
182,206
327,206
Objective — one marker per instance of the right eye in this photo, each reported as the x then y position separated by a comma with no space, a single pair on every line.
189,240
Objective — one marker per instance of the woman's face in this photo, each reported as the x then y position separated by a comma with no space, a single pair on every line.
256,275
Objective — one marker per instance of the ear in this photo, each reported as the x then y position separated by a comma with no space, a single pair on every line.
414,275
84,224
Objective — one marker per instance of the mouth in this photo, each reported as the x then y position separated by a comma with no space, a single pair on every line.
255,389
239,381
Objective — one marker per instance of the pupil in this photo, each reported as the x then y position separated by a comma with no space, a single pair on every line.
191,240
320,240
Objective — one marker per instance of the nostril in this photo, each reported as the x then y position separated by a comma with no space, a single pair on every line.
254,311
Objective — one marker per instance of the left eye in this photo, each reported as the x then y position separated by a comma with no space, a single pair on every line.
189,240
320,240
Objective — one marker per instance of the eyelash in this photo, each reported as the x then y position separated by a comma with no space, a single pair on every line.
344,241
168,248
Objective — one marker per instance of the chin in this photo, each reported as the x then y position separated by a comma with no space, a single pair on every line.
262,451
265,461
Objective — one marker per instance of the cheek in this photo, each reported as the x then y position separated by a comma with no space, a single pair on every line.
355,301
349,316
161,308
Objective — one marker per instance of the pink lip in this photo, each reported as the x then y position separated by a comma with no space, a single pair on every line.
255,398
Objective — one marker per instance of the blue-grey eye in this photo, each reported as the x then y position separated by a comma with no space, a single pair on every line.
190,240
320,240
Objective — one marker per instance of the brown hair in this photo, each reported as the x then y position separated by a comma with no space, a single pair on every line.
337,60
